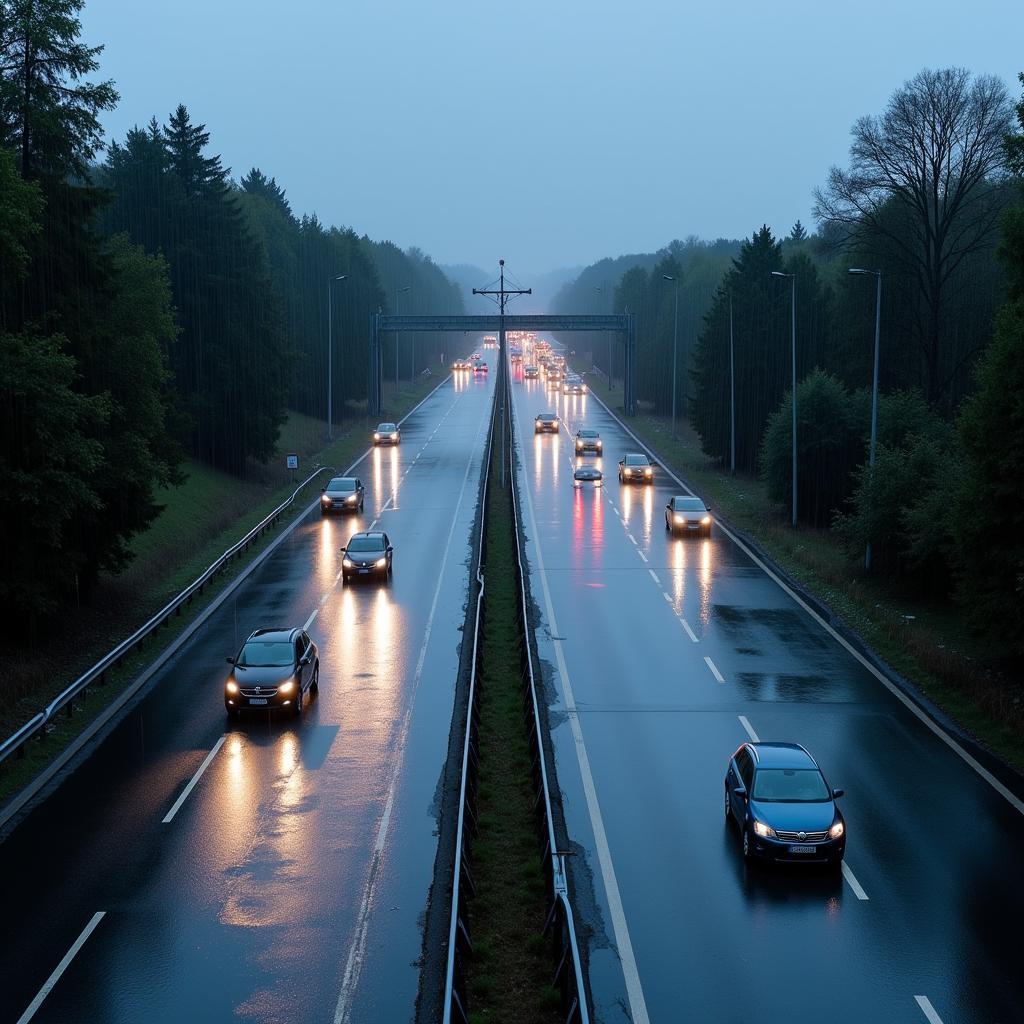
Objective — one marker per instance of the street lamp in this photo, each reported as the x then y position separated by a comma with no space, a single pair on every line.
330,356
398,291
675,348
792,317
874,383
611,384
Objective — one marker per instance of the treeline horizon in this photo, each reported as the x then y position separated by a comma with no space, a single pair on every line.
933,202
153,308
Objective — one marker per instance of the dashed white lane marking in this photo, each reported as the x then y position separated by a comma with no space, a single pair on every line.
654,576
374,523
192,782
641,554
627,959
928,1010
689,632
714,670
750,729
325,599
357,951
70,955
851,880
312,616
631,537
667,596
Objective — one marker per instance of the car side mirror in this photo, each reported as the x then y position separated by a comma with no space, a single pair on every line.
669,506
343,549
323,490
390,549
230,661
837,793
741,792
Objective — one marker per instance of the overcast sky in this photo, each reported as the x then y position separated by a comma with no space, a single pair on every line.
548,133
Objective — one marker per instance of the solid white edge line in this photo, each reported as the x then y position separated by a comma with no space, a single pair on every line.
52,980
910,705
325,599
714,669
928,1010
689,632
312,616
851,880
192,782
627,959
357,950
750,729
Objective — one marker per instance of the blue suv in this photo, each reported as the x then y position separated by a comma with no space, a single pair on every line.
785,810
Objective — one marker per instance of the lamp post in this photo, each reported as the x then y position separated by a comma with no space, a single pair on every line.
330,356
675,347
611,385
874,384
792,318
398,291
732,396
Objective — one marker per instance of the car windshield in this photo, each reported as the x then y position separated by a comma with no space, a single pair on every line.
790,785
546,416
636,460
366,544
342,483
588,433
266,654
689,505
386,428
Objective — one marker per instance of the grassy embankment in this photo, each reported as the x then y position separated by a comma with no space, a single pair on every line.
511,966
923,640
201,518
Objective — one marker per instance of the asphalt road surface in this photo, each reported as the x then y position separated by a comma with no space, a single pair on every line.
291,881
661,656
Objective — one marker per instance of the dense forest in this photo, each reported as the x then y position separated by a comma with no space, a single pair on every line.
153,307
932,207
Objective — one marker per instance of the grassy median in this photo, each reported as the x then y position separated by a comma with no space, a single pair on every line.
511,968
923,640
201,518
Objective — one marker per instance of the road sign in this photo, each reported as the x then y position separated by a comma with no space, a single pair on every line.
293,461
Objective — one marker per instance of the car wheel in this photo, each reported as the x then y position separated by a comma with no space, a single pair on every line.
746,844
314,686
232,713
297,706
728,807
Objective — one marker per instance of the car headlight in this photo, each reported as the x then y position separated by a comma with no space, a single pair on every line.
347,562
231,686
381,562
584,389
351,498
627,472
600,444
287,686
648,472
837,830
579,445
324,499
376,436
706,521
394,437
680,519
763,830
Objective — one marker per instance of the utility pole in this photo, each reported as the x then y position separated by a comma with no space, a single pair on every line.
732,396
502,294
330,357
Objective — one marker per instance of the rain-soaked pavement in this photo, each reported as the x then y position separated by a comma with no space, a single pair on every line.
673,652
291,884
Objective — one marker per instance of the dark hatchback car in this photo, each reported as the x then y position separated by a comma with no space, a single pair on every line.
342,494
274,670
387,433
687,514
785,810
635,468
367,554
546,423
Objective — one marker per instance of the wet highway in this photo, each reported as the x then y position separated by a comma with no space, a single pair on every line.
661,656
269,870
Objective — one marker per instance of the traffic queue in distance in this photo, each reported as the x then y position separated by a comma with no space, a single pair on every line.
775,795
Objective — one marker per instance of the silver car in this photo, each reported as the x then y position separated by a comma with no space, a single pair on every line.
686,513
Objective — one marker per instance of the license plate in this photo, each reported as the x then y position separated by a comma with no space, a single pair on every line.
257,700
362,571
803,848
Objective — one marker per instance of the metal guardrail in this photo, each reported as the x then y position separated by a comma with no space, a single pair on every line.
560,925
15,743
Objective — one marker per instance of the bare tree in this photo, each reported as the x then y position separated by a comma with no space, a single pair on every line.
921,178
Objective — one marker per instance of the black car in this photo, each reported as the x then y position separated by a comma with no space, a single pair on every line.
546,422
587,476
785,810
530,373
635,469
588,441
367,554
274,670
342,494
387,433
686,513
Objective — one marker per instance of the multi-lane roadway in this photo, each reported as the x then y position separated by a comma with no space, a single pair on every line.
269,870
662,655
